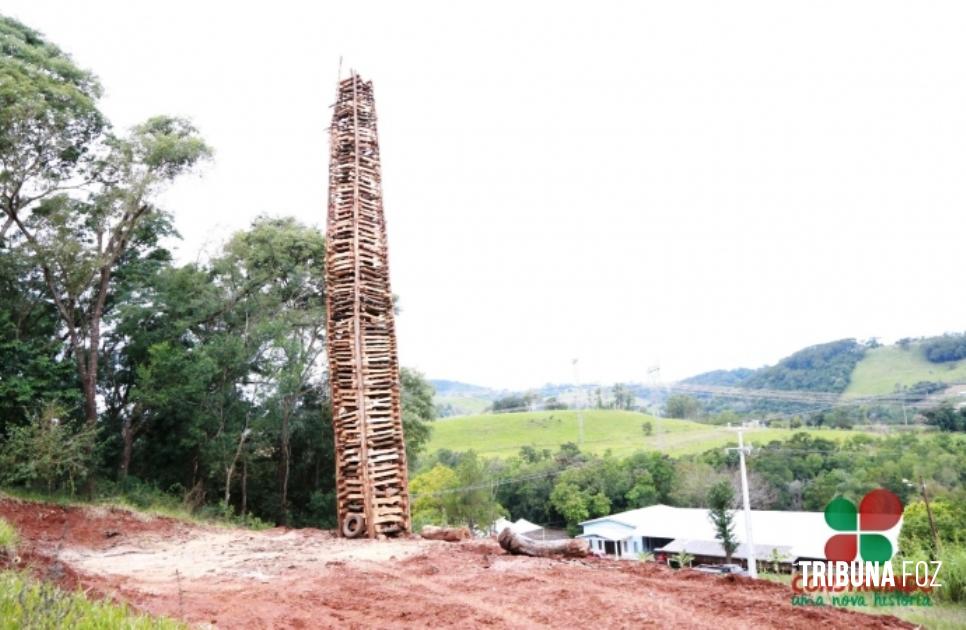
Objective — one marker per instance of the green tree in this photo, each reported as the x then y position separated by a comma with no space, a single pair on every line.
554,404
623,397
721,498
79,244
947,418
276,270
430,491
571,503
682,406
950,519
418,411
50,126
33,372
642,493
472,502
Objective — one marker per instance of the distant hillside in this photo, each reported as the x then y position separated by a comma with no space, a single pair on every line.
445,387
845,366
621,432
888,368
826,367
723,378
454,398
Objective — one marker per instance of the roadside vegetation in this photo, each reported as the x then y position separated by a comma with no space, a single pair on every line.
28,603
9,539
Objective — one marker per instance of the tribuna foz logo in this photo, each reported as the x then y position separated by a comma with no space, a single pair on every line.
859,556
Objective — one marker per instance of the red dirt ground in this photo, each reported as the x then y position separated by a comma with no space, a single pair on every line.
283,578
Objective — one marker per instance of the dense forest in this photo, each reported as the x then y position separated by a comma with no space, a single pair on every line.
951,347
824,367
122,371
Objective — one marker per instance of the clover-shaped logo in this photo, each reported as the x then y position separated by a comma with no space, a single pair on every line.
878,511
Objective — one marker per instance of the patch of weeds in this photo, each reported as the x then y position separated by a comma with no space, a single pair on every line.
27,603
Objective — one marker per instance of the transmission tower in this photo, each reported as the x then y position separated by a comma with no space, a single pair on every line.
371,479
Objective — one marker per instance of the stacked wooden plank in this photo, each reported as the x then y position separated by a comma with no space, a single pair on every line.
371,478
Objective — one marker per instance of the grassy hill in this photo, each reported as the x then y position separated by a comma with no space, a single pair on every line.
502,435
881,369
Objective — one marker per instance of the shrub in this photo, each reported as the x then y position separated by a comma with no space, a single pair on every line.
8,539
683,559
47,453
26,603
952,576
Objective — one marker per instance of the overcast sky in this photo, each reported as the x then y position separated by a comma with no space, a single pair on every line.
694,185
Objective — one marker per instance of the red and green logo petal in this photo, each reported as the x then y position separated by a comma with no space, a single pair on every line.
874,547
840,514
879,511
841,547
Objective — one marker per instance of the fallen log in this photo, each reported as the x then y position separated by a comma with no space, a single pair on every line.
523,546
449,534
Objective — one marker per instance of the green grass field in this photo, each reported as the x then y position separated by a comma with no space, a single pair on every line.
884,368
502,435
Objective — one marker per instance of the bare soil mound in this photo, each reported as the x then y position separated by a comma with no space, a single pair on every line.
285,578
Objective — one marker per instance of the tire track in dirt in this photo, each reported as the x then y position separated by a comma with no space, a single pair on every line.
446,595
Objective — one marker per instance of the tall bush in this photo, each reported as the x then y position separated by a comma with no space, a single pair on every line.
47,453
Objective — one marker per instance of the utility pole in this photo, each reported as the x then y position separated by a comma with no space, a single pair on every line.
925,499
580,412
932,523
749,540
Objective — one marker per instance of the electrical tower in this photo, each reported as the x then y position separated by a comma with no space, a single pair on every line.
371,478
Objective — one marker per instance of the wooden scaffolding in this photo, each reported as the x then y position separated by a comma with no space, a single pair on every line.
371,477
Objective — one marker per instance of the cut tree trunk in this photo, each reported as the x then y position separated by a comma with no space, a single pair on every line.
449,534
523,546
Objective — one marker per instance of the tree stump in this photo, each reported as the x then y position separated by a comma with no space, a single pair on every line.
449,534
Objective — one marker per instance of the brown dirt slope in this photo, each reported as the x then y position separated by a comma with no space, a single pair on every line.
310,579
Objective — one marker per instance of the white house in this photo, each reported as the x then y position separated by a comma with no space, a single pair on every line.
670,530
521,526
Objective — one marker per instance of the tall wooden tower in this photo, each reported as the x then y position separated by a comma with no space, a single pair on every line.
371,479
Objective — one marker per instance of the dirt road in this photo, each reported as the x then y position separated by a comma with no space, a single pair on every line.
281,578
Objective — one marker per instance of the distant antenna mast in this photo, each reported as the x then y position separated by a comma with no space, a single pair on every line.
580,411
654,378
